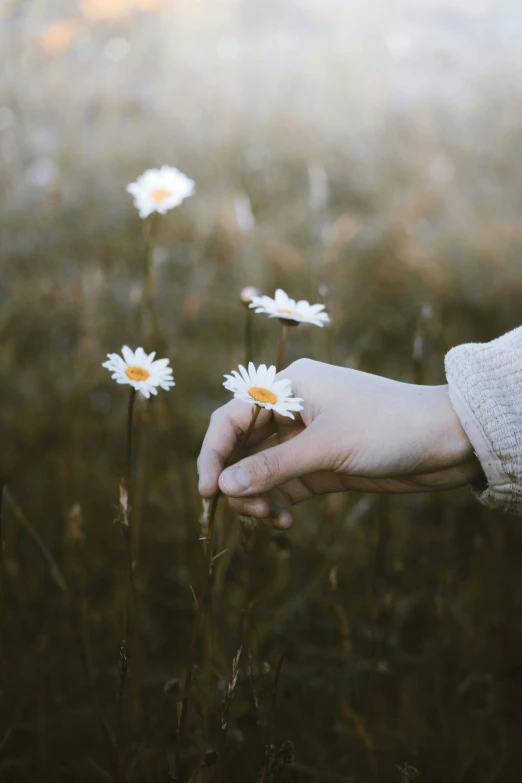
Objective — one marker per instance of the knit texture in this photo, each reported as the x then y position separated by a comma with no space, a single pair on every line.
485,389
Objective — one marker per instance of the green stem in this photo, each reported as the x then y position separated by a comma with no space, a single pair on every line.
248,337
282,344
130,592
127,517
1,576
151,231
130,418
256,410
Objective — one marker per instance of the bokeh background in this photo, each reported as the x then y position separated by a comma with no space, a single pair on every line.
364,154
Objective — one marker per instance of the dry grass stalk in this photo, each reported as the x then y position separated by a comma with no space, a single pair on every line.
270,749
230,690
251,670
248,528
123,666
361,731
344,626
54,569
183,709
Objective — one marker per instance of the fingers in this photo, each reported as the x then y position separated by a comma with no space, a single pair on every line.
226,429
274,466
274,509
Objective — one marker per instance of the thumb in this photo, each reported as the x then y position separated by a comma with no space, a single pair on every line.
272,467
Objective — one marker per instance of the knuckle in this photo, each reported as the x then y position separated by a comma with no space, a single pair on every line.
216,416
264,468
301,367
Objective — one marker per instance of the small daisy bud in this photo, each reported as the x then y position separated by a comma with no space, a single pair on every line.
248,293
124,505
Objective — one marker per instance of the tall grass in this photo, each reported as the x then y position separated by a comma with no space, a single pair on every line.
379,640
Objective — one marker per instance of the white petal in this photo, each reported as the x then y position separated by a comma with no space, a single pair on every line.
270,375
140,357
262,376
160,363
128,355
245,375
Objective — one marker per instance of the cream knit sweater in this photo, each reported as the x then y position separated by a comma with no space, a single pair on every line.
485,389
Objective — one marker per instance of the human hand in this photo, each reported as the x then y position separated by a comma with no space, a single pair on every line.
356,432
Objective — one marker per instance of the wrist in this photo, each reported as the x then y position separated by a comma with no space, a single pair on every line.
450,446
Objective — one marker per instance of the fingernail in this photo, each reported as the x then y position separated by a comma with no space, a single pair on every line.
235,481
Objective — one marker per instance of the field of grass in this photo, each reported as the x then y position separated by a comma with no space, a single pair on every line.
381,638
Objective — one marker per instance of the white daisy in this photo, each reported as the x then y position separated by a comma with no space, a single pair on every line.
158,190
287,309
140,371
260,388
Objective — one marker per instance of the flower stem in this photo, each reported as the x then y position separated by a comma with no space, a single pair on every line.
151,231
248,337
1,576
187,683
130,417
282,344
130,592
126,500
256,410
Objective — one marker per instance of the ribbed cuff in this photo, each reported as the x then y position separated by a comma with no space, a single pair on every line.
485,389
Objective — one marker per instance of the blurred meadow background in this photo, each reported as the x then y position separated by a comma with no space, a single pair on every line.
363,154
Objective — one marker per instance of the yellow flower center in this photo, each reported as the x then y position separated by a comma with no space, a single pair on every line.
160,194
262,395
137,373
286,312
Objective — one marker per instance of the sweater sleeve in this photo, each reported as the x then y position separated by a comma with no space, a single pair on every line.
485,389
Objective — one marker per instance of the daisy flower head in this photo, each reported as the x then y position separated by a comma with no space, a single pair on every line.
139,370
259,387
248,293
290,311
159,190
